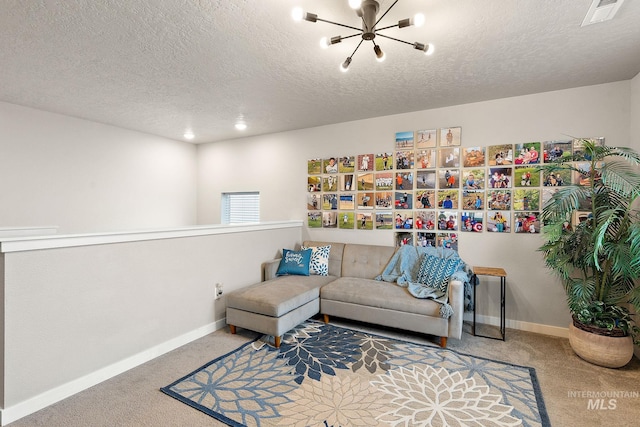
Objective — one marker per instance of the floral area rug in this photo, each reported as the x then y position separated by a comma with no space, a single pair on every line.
328,376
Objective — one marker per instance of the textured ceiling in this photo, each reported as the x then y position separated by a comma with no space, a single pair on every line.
162,66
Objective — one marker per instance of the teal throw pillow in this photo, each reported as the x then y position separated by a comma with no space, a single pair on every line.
294,263
436,272
319,260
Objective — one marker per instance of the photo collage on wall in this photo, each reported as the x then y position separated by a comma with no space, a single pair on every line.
429,189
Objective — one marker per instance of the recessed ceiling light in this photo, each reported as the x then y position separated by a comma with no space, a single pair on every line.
189,135
241,125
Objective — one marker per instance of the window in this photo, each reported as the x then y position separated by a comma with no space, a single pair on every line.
238,208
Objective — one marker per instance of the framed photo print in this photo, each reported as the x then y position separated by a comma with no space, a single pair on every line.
404,220
346,220
365,182
473,200
449,157
347,164
527,153
329,219
426,138
365,200
384,220
426,179
447,240
404,140
526,222
499,200
403,238
365,162
448,178
403,200
473,157
384,200
346,182
314,183
364,221
425,199
472,221
404,159
448,220
450,136
425,220
499,222
314,219
448,199
556,179
426,240
314,166
526,199
330,165
426,158
330,201
347,201
313,202
578,148
404,180
330,183
384,161
526,176
384,181
556,151
500,177
473,179
499,155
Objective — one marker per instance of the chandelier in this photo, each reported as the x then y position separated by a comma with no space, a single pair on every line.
367,11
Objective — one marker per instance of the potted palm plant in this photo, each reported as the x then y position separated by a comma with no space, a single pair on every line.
592,242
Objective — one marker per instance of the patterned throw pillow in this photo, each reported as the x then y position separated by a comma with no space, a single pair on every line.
435,272
294,263
319,264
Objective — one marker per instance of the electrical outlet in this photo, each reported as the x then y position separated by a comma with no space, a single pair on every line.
218,290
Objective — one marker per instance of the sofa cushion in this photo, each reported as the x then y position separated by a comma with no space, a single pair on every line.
365,261
436,272
374,293
319,263
335,255
278,296
294,262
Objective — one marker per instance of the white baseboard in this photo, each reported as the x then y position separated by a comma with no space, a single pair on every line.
22,409
555,331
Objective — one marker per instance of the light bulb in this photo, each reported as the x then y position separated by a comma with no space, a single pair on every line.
188,135
325,42
418,20
345,65
429,50
297,14
379,53
241,126
355,4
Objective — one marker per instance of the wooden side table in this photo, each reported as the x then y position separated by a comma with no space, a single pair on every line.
495,272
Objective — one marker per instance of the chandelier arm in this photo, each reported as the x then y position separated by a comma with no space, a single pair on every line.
352,35
357,47
380,19
340,25
386,28
393,38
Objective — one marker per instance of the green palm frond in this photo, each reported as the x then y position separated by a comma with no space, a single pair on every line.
598,259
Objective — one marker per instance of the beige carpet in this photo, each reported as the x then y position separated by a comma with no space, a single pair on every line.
134,398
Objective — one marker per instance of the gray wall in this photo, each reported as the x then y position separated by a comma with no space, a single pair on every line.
276,165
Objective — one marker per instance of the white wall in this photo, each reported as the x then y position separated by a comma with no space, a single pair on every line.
85,177
104,308
276,166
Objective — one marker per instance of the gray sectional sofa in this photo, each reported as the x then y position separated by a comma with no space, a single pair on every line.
278,304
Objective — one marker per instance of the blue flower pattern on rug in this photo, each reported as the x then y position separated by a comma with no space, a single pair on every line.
330,376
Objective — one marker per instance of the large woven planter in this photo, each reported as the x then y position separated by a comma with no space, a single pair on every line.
602,350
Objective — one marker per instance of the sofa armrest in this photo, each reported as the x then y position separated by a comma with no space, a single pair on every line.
269,269
456,301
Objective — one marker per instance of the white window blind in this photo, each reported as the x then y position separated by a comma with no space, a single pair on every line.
238,208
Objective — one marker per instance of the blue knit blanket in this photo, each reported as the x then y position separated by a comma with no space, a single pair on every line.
403,269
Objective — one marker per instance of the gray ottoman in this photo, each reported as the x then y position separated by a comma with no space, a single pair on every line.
275,306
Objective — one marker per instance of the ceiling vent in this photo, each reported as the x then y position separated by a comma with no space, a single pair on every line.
601,10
